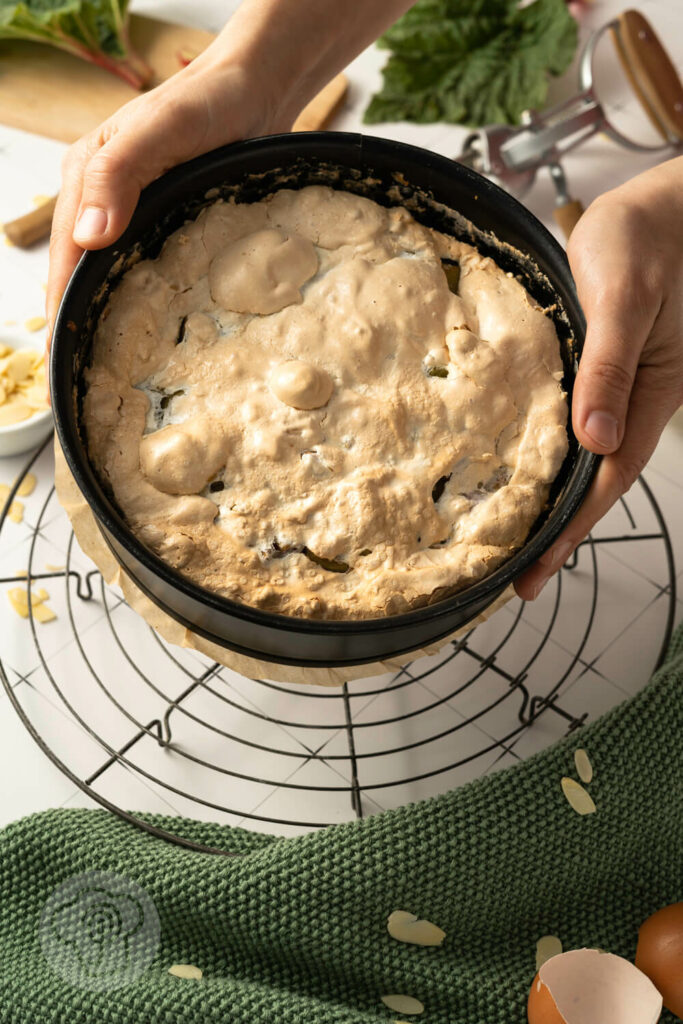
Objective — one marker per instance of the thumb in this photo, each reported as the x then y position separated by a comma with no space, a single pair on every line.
142,145
607,371
619,316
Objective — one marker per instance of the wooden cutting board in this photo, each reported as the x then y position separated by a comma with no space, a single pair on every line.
46,91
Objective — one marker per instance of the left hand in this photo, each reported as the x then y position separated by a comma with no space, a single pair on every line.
626,254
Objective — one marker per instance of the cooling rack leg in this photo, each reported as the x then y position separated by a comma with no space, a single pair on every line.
356,802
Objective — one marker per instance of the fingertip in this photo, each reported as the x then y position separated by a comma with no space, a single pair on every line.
603,430
599,431
91,227
531,584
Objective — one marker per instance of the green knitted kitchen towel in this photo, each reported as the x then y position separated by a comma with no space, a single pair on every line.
294,932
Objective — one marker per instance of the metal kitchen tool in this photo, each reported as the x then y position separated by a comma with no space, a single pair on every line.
512,156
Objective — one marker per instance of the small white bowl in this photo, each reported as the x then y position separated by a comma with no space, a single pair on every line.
17,438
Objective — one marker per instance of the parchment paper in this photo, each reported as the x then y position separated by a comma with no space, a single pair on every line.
93,544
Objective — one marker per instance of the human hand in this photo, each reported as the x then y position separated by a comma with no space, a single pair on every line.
104,172
626,254
271,58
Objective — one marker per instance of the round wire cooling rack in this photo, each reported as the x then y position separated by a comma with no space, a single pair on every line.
130,719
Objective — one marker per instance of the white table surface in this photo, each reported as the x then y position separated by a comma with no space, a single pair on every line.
615,663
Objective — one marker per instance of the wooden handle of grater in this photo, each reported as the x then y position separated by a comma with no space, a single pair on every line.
34,226
654,78
567,216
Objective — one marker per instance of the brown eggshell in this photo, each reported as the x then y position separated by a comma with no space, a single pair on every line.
587,986
660,954
541,1007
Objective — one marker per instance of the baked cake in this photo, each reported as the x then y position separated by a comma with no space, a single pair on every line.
317,406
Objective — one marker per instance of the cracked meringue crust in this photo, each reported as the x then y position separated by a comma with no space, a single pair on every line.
292,407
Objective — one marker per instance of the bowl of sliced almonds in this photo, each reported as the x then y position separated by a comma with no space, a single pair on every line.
25,416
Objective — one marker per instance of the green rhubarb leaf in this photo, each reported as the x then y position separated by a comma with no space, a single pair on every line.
96,30
472,62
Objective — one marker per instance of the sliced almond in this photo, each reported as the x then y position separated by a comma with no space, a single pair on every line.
21,574
35,323
18,598
578,798
27,486
404,1004
16,512
14,410
19,365
54,568
406,927
36,397
42,613
9,385
186,971
583,765
547,947
22,384
4,493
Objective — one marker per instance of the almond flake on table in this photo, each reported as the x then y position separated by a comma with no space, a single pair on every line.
27,486
42,613
18,598
16,512
35,323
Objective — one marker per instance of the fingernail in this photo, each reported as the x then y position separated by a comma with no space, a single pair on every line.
538,587
603,429
558,555
91,224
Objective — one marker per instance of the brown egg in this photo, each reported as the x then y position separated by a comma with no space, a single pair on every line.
587,986
541,1007
660,954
